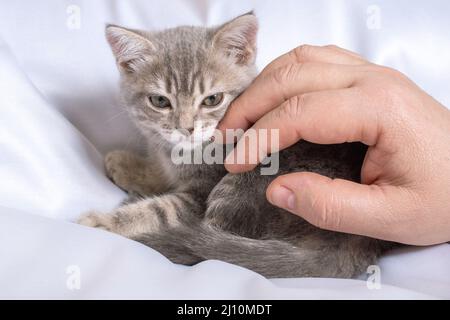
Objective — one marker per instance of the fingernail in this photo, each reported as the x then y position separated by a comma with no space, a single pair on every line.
282,197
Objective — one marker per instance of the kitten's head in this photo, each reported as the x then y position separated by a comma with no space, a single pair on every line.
179,82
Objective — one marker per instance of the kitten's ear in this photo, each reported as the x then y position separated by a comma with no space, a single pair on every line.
238,38
130,48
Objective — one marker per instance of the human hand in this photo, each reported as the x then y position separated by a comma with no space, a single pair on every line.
328,95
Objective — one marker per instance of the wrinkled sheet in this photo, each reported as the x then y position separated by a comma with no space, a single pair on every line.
59,114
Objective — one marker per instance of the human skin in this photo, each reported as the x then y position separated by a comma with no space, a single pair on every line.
328,95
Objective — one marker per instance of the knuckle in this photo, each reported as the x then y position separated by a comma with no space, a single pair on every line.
302,52
332,47
284,76
326,212
292,108
384,84
390,72
287,73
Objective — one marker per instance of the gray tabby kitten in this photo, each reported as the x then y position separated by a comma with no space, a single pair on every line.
172,79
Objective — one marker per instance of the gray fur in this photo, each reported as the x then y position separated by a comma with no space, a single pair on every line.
192,213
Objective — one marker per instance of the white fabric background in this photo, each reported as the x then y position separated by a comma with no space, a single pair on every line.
58,115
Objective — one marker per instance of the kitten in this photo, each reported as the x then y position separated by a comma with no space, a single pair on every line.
171,81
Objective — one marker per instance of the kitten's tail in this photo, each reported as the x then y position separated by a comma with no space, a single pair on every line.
270,258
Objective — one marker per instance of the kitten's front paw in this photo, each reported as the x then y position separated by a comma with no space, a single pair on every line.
117,164
97,220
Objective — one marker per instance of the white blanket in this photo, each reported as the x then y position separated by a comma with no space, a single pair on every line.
59,114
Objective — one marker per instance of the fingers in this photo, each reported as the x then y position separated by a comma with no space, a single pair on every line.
328,117
336,205
306,53
270,90
282,77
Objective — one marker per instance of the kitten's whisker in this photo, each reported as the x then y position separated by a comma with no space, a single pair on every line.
115,116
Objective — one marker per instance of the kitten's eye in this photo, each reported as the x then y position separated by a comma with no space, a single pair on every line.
213,101
160,102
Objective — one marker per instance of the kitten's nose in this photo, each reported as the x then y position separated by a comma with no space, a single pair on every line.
190,130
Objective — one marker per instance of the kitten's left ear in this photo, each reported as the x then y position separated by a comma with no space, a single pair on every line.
238,38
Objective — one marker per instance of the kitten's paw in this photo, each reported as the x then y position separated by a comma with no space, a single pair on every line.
117,166
97,220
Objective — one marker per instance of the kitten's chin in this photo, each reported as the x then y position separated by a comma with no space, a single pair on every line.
178,139
187,143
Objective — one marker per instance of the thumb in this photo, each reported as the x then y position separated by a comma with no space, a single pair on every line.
331,204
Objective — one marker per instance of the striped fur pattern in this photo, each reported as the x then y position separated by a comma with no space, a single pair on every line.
192,213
